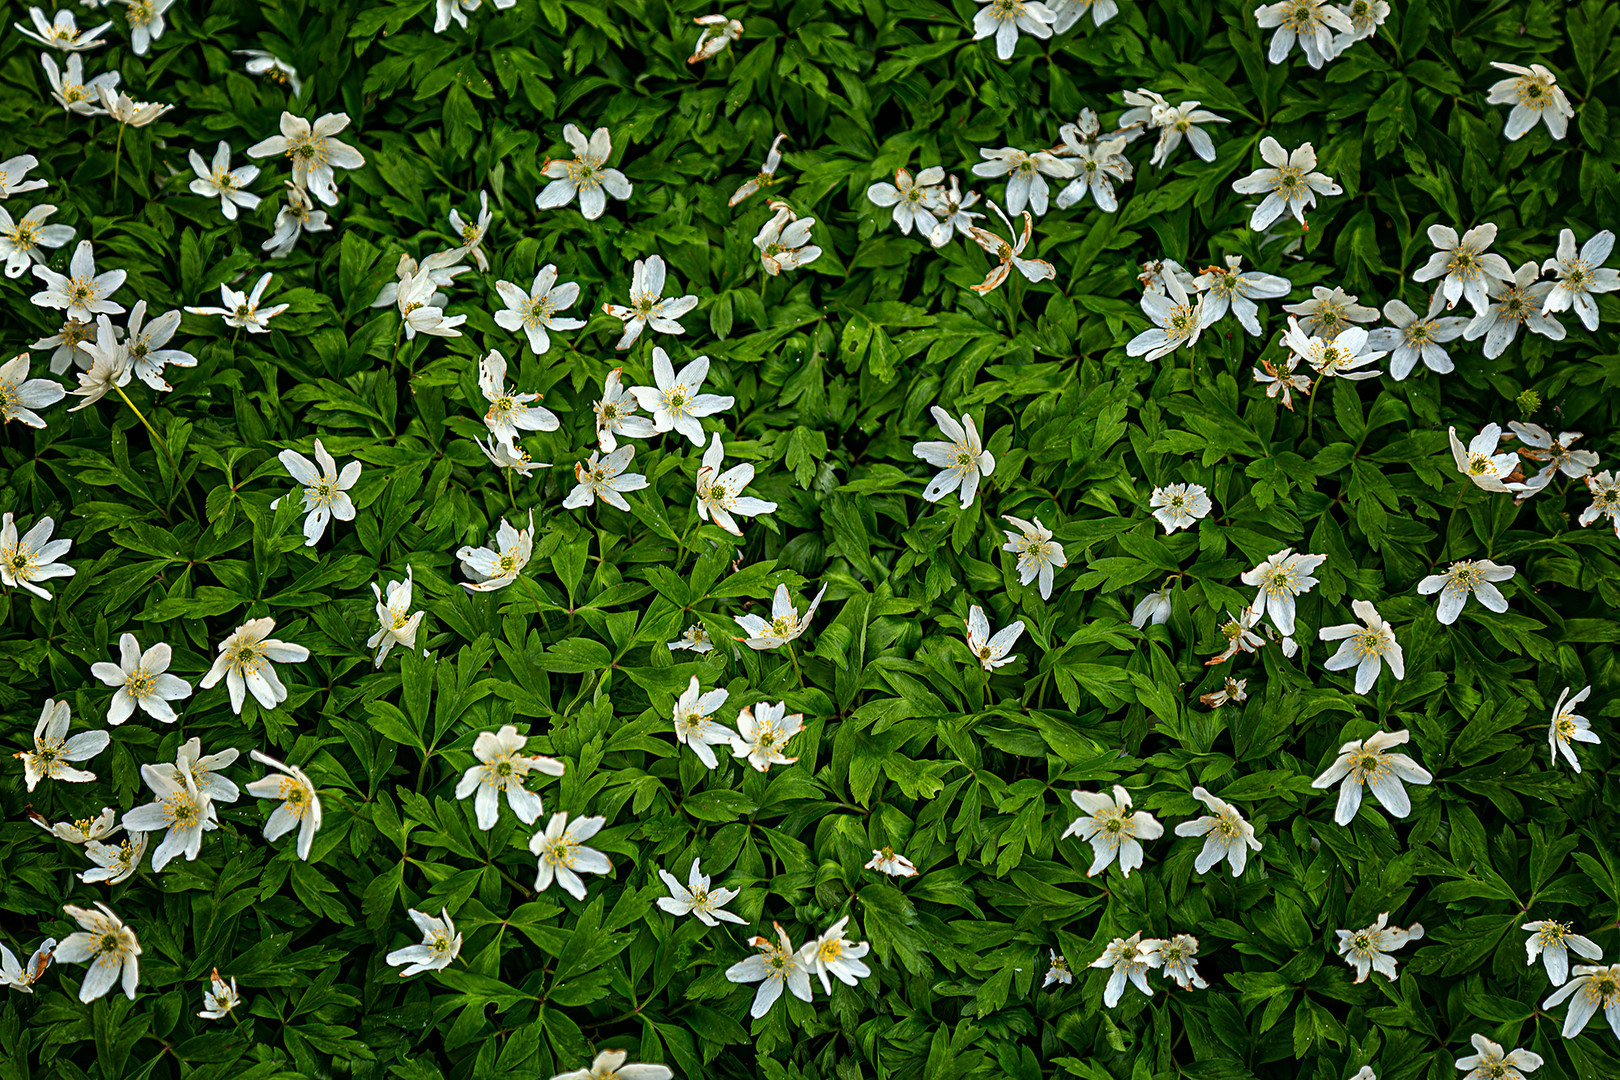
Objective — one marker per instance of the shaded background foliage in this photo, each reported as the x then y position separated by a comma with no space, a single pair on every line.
833,369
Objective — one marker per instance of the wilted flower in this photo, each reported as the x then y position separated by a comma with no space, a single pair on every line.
888,861
1605,490
990,651
1240,636
784,625
784,241
1178,960
1059,971
1154,608
1237,289
766,176
220,998
1009,253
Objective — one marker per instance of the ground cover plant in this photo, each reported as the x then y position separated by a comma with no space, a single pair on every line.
819,540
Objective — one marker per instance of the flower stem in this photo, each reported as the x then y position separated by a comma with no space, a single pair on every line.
794,660
1310,412
160,444
510,494
118,159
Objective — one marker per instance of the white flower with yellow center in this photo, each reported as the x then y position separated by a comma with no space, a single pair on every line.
1003,19
1180,506
491,570
397,624
66,345
616,414
1342,356
472,233
677,402
218,180
83,830
784,626
1069,12
325,490
266,64
964,459
504,768
697,898
241,310
1177,318
509,411
1059,971
296,217
145,345
1368,646
1095,166
831,954
1037,553
126,110
1365,16
14,169
115,863
1129,960
71,90
609,1064
1409,338
245,663
1464,266
951,208
1488,1062
763,731
784,241
1580,276
694,637
315,151
647,304
766,176
62,33
990,651
777,964
440,945
300,806
1112,829
1330,312
204,770
105,944
21,241
1238,632
33,557
1367,763
587,175
719,494
1591,989
886,860
1369,950
1026,172
534,312
1281,579
1291,183
1566,727
53,750
220,998
142,680
1310,22
695,725
81,292
913,199
1178,960
1237,289
563,856
1553,942
1226,834
1605,490
1480,462
1517,302
146,23
178,809
603,476
111,366
1468,576
1534,94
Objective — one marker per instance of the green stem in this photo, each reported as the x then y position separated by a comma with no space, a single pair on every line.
157,442
510,493
1310,412
794,660
118,159
1445,546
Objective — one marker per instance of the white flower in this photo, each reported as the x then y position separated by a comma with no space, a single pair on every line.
1567,726
22,977
609,1064
785,624
145,23
1605,490
314,150
535,312
1365,1073
1365,16
718,494
1026,172
1130,958
766,176
696,898
20,395
71,91
1555,455
1237,289
1366,647
603,477
1309,21
263,63
204,770
888,861
707,48
1553,942
472,234
1489,1063
244,662
220,998
440,944
12,171
564,857
695,724
445,10
676,403
1231,690
990,652
300,805
1068,12
1329,312
20,241
1036,551
1365,763
1480,462
1059,971
1178,959
145,346
111,366
1369,950
503,767
1095,167
1594,988
509,411
1281,578
53,749
1411,338
830,954
1009,254
241,310
1002,19
1226,835
1179,506
762,733
647,304
1112,830
66,343
326,491
1341,356
63,34
126,110
912,200
963,459
695,638
115,864
178,807
32,558
1519,301
142,680
491,570
774,966
82,293
1176,122
1177,321
105,944
1154,608
421,304
219,180
296,217
83,830
615,414
396,624
1285,382
1240,636
587,175
1534,95
1579,276
784,241
1477,576
1464,266
1292,182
